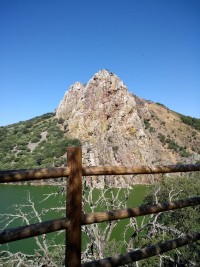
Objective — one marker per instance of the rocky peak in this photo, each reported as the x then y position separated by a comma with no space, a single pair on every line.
107,80
117,127
103,87
103,115
77,86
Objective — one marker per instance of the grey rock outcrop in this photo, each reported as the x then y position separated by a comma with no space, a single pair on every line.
116,127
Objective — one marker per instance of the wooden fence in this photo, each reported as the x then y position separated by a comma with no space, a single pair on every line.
75,218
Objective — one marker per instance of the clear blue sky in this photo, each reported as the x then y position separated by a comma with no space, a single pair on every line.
47,45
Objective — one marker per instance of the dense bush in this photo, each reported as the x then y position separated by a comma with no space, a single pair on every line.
194,122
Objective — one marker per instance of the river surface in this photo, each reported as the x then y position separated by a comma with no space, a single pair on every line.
12,197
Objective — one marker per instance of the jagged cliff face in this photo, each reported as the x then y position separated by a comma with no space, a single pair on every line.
118,128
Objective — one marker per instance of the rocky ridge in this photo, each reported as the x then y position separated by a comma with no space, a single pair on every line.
118,128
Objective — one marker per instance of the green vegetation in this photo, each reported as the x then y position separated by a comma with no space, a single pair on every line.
160,104
194,122
147,124
38,142
172,224
173,145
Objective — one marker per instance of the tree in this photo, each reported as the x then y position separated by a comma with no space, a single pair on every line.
100,241
173,224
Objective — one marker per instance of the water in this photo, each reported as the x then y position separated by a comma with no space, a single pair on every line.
12,196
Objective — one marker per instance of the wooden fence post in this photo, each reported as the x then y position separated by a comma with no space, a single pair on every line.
74,207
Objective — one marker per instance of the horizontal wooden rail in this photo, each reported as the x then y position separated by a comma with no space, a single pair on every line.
104,216
34,174
115,170
22,232
47,173
36,229
147,252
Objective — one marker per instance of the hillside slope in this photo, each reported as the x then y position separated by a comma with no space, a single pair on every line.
35,143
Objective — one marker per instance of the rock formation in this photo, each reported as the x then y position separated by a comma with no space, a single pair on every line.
119,128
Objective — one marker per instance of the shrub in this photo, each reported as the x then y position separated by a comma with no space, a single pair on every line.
194,122
147,123
61,121
161,138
